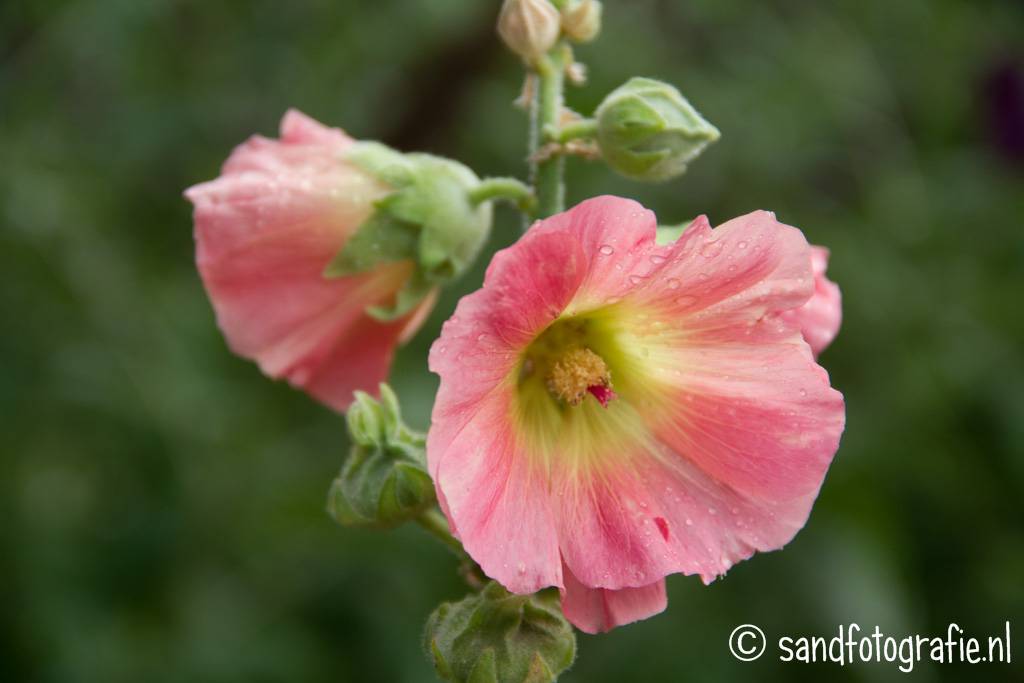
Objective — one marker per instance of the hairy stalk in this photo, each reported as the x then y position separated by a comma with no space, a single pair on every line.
547,172
436,525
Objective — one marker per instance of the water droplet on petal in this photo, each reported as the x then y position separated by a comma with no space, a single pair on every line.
607,249
711,249
657,259
673,283
742,245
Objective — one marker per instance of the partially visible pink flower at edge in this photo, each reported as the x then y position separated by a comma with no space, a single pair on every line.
719,426
820,317
265,230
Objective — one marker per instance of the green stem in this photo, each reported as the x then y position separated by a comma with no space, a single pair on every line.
436,525
509,189
584,128
548,175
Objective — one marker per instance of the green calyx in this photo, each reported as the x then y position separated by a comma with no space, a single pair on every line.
497,637
384,481
648,131
429,218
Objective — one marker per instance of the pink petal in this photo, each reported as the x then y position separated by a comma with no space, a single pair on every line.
495,502
596,610
723,284
265,230
819,319
734,443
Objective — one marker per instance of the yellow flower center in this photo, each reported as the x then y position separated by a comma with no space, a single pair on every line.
578,371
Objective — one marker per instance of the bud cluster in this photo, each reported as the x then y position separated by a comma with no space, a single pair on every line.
384,481
496,637
532,28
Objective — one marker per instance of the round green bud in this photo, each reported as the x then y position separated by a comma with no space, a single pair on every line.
497,637
384,481
429,218
647,130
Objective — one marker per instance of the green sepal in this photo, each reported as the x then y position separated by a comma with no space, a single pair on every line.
384,481
429,219
497,637
382,238
381,162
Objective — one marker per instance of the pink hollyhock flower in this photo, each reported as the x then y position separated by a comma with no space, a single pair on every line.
820,317
612,411
265,230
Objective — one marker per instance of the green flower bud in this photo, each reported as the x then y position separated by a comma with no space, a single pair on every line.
648,131
530,28
581,20
497,637
384,481
429,218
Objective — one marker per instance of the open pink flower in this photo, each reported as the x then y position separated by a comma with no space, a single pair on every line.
820,317
266,229
719,425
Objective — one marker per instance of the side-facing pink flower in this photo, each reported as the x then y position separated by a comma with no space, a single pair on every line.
718,427
820,317
265,230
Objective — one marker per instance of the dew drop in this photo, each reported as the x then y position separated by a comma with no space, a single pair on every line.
689,522
636,279
711,249
742,245
607,249
673,283
521,568
657,259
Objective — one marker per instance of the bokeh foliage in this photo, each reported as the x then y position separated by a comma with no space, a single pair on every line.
162,503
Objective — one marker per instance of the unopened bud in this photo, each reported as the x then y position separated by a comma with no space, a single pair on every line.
384,481
648,131
496,637
581,20
530,28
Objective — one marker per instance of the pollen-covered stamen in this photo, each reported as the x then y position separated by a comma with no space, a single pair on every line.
579,372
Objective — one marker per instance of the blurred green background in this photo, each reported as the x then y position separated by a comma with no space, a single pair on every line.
162,503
